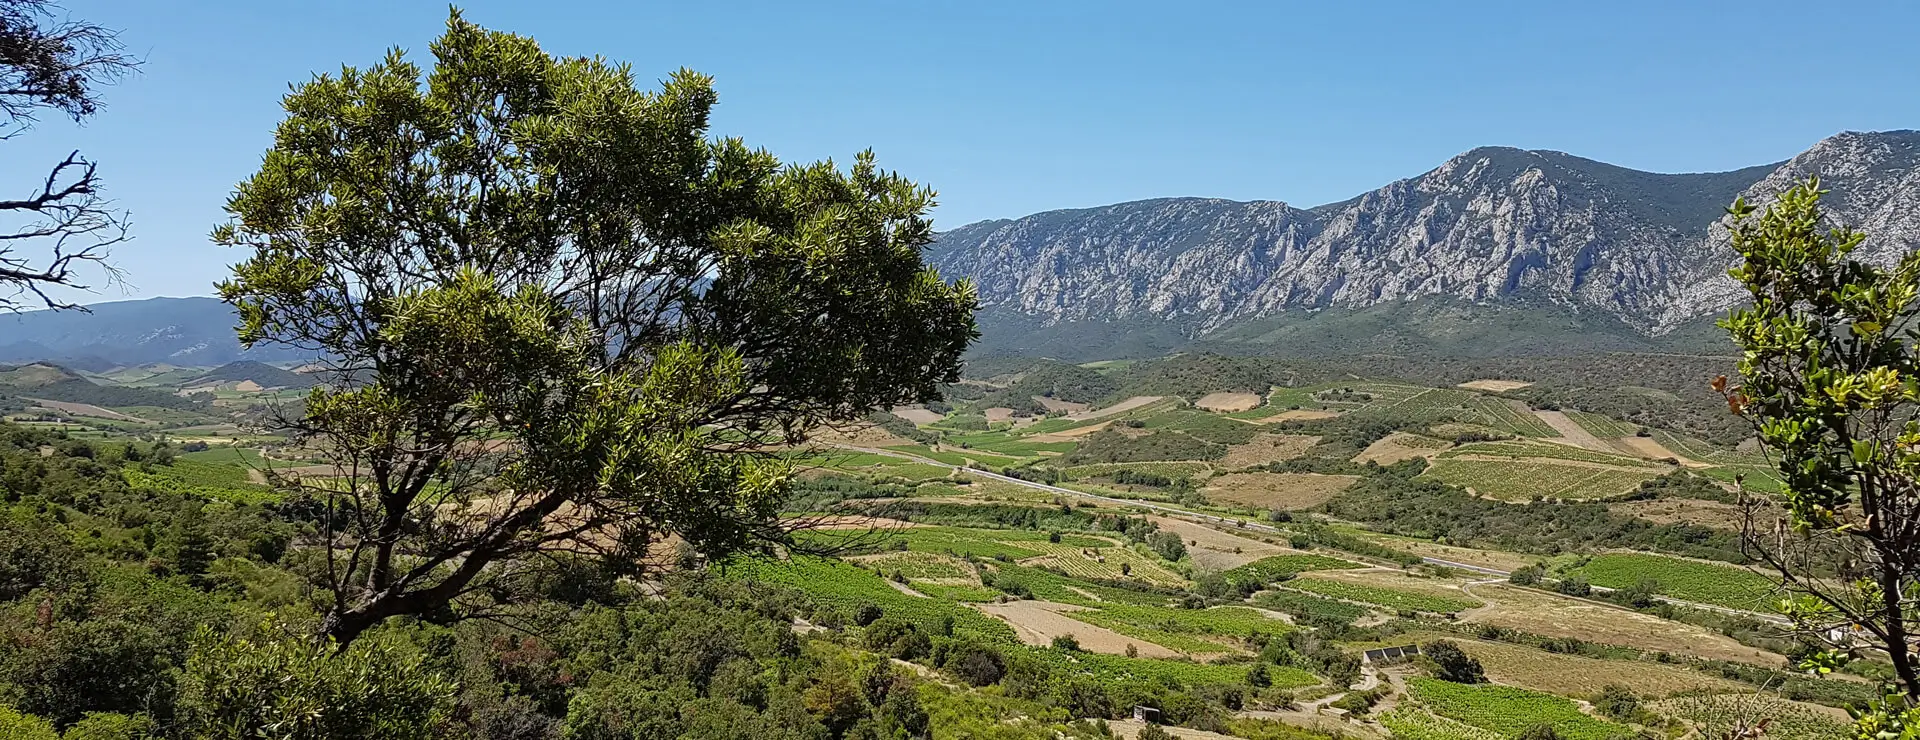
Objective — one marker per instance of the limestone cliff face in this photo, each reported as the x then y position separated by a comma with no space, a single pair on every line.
1491,225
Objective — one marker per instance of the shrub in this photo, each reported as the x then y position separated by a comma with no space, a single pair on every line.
1617,702
1450,663
1066,642
865,614
290,687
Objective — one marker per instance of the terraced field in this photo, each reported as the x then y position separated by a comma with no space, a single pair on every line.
1517,481
1392,599
1510,711
1722,585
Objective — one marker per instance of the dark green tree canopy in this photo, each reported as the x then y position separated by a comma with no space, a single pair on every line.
558,315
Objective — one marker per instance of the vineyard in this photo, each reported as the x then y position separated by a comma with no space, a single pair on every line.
1722,585
1522,481
1102,563
1408,723
1307,607
1711,712
1266,570
1214,630
846,587
1510,711
1529,449
1169,469
1604,427
1389,598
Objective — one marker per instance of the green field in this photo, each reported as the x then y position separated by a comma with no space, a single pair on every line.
1389,598
1407,723
1510,711
1265,570
1728,586
846,587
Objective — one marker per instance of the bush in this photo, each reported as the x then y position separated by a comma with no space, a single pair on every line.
1450,663
17,726
1574,586
978,665
1542,731
865,614
1617,702
289,687
1066,642
109,726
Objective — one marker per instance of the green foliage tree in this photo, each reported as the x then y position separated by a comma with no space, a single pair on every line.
1832,387
17,726
1154,732
558,317
1167,545
1450,663
290,688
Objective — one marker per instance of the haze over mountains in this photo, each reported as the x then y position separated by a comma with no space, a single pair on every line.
1605,251
1496,251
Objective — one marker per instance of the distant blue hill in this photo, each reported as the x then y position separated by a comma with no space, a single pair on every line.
178,331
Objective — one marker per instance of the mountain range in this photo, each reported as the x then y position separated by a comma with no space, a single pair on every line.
1497,251
178,331
1594,254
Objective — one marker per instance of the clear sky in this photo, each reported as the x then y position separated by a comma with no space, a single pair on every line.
1009,108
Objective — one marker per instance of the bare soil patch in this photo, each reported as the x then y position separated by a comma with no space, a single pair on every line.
998,413
1495,386
1560,616
1266,448
1055,404
917,414
1038,622
1118,408
1227,403
1400,446
1650,448
85,409
1277,490
1683,511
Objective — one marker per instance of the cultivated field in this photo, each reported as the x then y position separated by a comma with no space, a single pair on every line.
1495,386
1266,448
1038,622
1400,446
1227,403
1284,491
1553,615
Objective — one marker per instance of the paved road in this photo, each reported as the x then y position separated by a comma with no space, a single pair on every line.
1243,524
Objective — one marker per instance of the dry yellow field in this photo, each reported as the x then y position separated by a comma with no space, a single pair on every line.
1559,616
1400,446
1682,511
1300,415
1228,402
917,415
1266,448
1495,386
1574,675
1276,490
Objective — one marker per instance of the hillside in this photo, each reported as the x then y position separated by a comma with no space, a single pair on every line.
1614,257
247,371
180,331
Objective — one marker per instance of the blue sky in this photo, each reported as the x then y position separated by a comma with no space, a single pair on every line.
1009,108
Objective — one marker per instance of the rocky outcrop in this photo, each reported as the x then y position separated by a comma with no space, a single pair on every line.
1488,226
